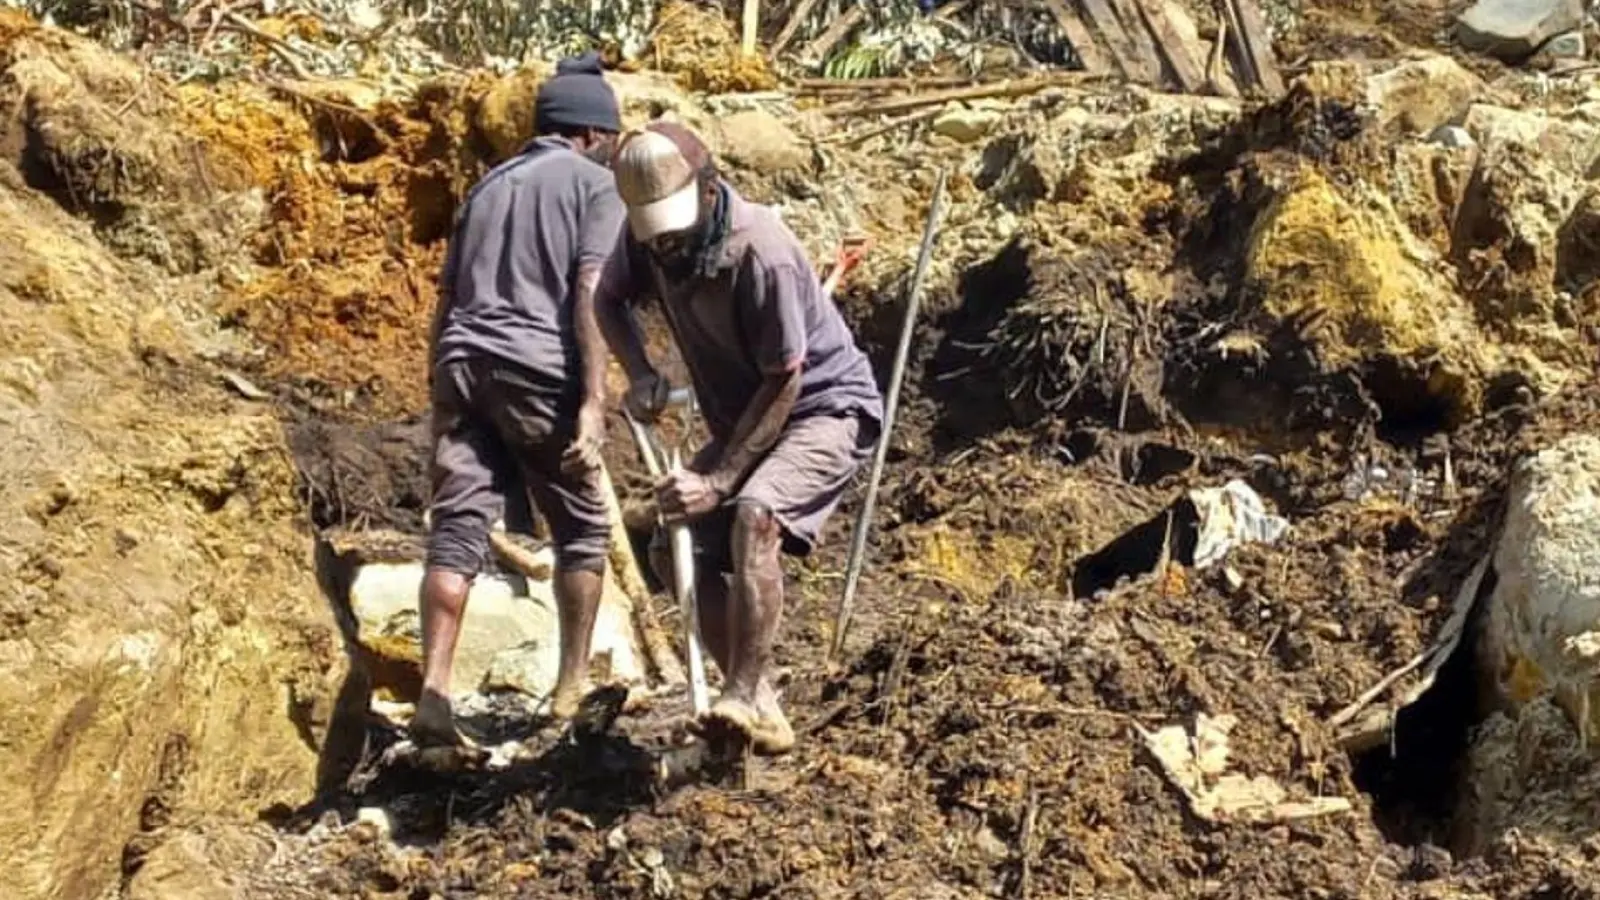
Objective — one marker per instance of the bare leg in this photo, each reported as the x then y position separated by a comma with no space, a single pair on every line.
752,617
712,605
577,604
444,601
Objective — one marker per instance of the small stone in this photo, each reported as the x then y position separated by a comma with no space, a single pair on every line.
965,124
1453,136
377,819
652,858
1511,30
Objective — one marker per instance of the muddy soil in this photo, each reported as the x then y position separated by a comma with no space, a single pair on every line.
1107,328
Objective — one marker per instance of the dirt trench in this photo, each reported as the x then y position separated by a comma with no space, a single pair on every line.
1144,326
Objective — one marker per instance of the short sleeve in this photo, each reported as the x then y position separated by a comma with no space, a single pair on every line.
601,223
618,283
776,316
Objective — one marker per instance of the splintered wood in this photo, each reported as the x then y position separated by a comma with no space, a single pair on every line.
1143,40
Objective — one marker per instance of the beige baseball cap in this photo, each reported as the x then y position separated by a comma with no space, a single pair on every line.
657,169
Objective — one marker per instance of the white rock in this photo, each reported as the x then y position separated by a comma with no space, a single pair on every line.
966,124
503,614
376,818
1573,148
1453,136
1542,631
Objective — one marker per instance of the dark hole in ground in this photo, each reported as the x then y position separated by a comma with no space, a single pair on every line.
1415,779
1138,551
1415,403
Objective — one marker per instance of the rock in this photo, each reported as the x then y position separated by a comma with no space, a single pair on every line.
1572,147
509,636
758,140
1542,626
1452,136
1421,95
377,820
1511,30
1578,246
966,124
195,866
1529,178
1374,286
1565,46
1428,182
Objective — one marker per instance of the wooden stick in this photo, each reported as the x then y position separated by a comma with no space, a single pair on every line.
858,542
796,19
838,31
752,18
1079,37
1343,716
995,90
864,85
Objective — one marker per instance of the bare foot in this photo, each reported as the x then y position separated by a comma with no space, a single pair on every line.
434,724
762,723
564,703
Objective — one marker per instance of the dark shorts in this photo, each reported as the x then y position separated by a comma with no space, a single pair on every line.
801,481
494,421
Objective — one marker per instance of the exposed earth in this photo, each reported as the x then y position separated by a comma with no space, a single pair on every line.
216,298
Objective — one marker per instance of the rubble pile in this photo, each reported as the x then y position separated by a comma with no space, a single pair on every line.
1232,541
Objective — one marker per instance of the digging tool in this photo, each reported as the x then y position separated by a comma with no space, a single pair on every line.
858,540
657,463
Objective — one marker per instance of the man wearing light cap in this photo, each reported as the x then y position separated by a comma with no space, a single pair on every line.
517,373
790,401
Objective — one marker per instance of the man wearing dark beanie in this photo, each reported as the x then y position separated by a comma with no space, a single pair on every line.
518,379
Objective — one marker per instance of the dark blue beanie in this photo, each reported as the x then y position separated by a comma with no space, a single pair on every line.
577,96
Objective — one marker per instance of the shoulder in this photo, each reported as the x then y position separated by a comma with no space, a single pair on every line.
764,242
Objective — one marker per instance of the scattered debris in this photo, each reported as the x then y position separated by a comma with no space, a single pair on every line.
1197,766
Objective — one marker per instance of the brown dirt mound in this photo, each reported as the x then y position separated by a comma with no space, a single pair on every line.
699,45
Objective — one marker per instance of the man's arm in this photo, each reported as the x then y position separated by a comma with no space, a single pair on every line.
758,429
613,310
774,309
602,218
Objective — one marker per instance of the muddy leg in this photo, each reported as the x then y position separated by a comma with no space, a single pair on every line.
754,610
444,602
577,603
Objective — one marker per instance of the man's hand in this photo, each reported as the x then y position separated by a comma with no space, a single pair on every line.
685,495
647,397
582,456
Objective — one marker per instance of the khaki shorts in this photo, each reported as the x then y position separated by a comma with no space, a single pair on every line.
801,481
494,421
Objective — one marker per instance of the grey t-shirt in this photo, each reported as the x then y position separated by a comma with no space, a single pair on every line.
763,313
513,264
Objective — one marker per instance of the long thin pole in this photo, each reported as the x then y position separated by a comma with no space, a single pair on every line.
858,540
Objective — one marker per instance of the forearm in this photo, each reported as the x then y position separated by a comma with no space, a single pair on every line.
622,336
757,430
591,344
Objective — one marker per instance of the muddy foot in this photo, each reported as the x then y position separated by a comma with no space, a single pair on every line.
434,724
763,725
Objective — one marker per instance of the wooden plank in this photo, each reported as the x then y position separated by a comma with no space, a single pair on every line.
1079,37
1133,25
1252,30
1173,46
1122,49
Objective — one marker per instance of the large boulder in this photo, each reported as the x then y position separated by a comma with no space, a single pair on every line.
1541,636
1374,289
510,635
1420,95
1512,30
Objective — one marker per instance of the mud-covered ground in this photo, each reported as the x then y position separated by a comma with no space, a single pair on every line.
1133,296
